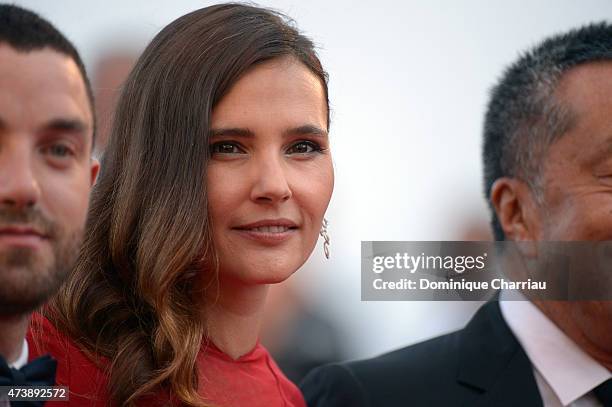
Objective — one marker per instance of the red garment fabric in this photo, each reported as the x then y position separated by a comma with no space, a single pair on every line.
252,380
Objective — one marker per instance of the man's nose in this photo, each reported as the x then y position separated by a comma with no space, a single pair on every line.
19,187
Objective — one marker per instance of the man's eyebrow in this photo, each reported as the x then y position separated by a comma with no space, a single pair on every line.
231,132
306,130
76,126
65,125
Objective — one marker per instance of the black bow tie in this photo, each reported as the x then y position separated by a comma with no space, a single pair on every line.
603,392
39,372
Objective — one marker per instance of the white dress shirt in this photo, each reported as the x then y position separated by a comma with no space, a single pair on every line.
17,364
23,358
565,374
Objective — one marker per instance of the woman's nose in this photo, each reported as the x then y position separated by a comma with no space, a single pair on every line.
270,183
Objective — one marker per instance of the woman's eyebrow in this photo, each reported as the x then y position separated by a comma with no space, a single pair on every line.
307,129
231,131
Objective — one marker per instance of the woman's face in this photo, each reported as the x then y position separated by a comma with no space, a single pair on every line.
270,177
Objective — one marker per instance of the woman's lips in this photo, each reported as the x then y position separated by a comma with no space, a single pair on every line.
268,231
266,237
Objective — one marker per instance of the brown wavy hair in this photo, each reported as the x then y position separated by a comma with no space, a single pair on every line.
136,295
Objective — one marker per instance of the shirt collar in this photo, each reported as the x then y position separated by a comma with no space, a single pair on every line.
23,358
569,371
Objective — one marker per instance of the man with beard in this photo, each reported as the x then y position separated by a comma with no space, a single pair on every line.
46,172
548,177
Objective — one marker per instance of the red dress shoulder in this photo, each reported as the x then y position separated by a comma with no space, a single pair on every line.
251,380
85,380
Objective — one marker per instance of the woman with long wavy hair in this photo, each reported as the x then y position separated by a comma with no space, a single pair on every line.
213,186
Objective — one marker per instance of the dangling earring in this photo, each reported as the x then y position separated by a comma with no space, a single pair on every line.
325,237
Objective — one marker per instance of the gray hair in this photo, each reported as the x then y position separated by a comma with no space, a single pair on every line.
524,117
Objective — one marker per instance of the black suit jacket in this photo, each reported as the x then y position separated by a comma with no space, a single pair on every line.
480,365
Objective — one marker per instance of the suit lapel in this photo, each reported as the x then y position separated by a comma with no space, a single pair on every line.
493,363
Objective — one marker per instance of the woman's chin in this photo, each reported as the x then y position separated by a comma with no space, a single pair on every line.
262,268
261,275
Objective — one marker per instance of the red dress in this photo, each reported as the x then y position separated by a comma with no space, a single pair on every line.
252,380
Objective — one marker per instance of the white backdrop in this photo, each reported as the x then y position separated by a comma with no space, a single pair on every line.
408,86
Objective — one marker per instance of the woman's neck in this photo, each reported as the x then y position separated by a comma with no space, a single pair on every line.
13,330
234,319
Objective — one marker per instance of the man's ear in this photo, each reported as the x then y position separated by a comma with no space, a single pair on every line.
95,169
516,209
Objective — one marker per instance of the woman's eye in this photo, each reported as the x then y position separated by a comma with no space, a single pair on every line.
226,148
304,147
